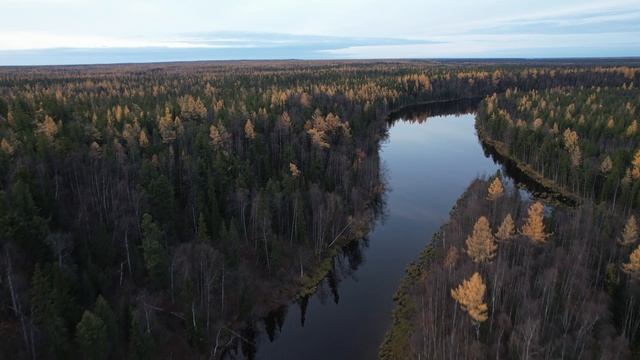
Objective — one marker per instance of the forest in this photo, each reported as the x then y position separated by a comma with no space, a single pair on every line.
153,210
514,276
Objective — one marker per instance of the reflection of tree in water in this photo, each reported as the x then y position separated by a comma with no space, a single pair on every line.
522,180
304,302
419,113
274,322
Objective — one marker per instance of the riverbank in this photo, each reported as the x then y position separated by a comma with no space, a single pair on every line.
396,340
542,188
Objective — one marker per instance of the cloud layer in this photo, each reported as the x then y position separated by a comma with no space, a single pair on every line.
90,31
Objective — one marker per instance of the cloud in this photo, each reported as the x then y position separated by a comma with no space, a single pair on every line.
21,40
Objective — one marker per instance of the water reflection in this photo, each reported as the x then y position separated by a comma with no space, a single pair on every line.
521,180
420,113
429,158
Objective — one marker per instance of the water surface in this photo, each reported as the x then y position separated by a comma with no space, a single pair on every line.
429,163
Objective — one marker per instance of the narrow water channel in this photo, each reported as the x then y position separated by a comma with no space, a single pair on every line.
429,162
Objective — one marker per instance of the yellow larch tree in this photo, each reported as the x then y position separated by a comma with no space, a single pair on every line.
632,128
48,128
534,226
495,189
470,296
633,266
293,169
167,126
143,140
481,246
249,130
571,145
606,165
506,229
6,147
635,166
630,232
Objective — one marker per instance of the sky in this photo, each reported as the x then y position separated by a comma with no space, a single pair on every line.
38,32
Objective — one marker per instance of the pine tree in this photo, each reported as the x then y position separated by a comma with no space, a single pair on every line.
154,253
141,344
495,189
506,229
201,231
102,310
630,232
470,295
481,246
534,227
633,266
91,336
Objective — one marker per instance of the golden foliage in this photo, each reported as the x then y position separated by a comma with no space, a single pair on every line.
633,266
630,232
534,227
167,126
284,121
537,123
219,136
95,150
506,229
293,168
143,140
481,246
571,144
611,123
192,108
495,189
470,295
249,130
635,166
6,147
48,128
451,258
632,129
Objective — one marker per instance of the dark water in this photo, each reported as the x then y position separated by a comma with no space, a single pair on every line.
429,162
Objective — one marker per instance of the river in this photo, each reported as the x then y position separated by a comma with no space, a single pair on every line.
429,161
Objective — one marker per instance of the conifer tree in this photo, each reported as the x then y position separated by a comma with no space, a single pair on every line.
249,130
154,253
506,229
293,169
91,336
606,165
495,189
630,232
635,166
470,296
143,140
534,226
633,266
481,246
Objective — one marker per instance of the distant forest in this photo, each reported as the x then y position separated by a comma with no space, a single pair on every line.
154,210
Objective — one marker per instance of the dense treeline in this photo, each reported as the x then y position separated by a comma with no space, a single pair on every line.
152,209
584,139
507,278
